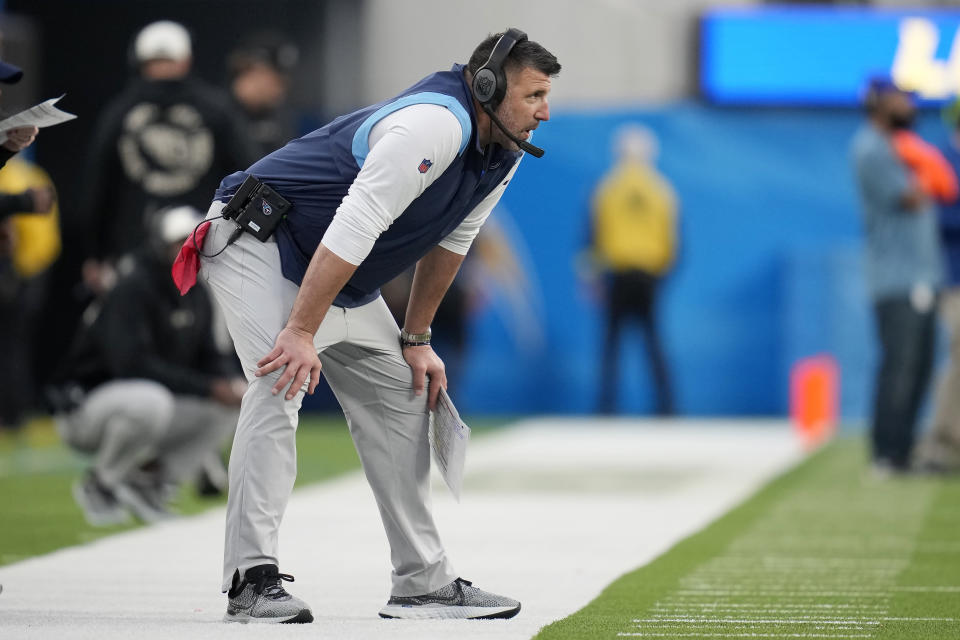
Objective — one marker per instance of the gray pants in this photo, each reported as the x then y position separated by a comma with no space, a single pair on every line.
360,353
941,445
126,423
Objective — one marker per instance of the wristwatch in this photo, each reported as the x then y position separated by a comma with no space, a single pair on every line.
415,339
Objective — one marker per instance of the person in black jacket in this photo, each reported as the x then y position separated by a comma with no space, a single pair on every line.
148,385
168,138
259,70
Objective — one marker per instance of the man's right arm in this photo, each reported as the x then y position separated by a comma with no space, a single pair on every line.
293,349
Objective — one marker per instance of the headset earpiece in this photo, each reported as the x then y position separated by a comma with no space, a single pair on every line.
490,81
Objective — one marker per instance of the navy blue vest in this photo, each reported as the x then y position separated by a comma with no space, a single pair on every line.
314,172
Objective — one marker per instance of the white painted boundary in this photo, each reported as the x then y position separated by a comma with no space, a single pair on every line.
553,511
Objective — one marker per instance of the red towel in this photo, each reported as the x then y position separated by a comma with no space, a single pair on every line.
187,264
931,170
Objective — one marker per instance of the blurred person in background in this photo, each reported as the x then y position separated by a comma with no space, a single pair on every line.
939,450
28,245
144,389
259,71
167,138
406,182
633,247
904,267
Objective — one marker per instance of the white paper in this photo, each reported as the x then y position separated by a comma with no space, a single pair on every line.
42,115
449,437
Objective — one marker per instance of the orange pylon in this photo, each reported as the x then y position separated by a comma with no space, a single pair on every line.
814,393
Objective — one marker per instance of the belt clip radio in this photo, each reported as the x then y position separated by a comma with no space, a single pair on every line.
256,208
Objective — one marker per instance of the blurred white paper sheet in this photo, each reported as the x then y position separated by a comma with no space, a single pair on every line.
448,442
42,115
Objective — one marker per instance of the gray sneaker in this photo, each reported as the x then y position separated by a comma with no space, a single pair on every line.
100,506
260,597
143,502
459,599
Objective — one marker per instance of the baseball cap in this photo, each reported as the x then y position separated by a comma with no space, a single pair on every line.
884,84
163,40
881,85
10,73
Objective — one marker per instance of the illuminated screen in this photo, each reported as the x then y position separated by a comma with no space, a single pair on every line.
779,55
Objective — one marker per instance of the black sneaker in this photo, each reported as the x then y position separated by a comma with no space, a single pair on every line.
100,506
260,597
459,599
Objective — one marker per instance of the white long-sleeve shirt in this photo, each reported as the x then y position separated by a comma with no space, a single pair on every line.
390,180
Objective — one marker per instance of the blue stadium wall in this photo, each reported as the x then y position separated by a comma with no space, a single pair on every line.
769,271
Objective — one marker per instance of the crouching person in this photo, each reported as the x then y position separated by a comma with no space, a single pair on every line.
145,390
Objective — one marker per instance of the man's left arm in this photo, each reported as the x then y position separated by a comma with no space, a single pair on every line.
17,141
433,276
431,279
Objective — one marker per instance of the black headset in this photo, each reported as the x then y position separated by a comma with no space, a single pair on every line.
490,81
489,84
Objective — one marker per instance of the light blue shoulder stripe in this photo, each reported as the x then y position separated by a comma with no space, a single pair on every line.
361,142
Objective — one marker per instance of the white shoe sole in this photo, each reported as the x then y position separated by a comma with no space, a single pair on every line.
446,612
95,518
301,617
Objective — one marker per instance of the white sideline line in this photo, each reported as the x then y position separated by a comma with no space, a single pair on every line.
758,605
810,593
811,561
552,547
912,619
743,635
678,612
797,620
923,589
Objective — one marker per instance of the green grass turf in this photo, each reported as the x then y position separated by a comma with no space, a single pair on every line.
38,514
825,551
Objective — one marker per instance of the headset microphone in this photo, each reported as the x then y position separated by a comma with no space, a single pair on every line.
536,152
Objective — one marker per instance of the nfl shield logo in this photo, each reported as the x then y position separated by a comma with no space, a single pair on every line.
426,164
267,209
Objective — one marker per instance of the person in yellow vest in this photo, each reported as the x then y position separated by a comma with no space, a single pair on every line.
29,244
634,243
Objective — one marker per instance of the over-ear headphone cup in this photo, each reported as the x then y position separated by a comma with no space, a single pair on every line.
485,85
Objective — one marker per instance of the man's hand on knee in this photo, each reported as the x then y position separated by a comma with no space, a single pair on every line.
294,354
425,363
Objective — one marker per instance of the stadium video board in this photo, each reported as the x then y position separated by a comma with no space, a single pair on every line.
822,56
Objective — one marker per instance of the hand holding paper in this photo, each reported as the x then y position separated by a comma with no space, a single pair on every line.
18,131
19,139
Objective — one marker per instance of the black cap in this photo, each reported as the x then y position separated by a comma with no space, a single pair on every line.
9,73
